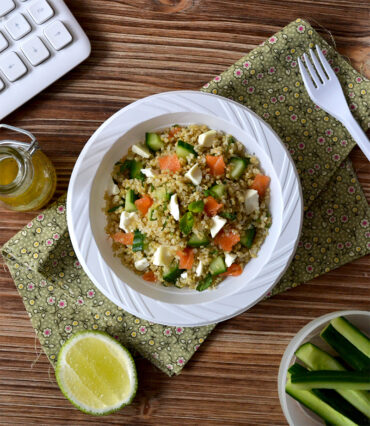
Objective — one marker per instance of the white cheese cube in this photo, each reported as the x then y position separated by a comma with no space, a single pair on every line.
229,259
113,189
206,139
128,221
163,256
194,175
141,150
184,275
149,172
141,264
251,201
217,224
199,270
174,207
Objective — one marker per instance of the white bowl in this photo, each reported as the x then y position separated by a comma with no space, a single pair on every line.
296,413
91,178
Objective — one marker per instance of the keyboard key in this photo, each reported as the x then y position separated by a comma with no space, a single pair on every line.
2,85
35,51
3,42
58,35
18,26
12,66
6,6
41,11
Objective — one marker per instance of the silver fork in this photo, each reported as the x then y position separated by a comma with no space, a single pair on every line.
325,90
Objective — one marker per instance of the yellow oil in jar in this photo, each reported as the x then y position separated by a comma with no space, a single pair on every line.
8,171
37,191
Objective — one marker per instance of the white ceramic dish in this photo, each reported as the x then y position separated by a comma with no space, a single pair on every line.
170,305
296,413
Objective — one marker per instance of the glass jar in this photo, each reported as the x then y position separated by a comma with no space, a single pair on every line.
27,176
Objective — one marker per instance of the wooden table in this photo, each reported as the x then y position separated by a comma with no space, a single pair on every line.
141,47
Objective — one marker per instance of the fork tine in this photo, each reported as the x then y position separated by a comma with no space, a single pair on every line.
312,71
318,66
306,78
328,69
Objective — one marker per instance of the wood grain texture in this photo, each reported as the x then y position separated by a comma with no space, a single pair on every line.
141,47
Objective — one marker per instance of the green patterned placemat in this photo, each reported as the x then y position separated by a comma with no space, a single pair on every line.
60,298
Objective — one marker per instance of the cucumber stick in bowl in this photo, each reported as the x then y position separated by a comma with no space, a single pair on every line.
340,383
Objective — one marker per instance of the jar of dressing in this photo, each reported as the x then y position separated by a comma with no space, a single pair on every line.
27,176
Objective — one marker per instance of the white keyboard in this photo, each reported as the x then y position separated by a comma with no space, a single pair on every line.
40,40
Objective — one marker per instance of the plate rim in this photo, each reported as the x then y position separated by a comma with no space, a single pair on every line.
75,242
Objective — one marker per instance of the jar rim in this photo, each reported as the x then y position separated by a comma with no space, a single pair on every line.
23,163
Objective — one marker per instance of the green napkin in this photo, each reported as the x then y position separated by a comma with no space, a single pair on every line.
60,298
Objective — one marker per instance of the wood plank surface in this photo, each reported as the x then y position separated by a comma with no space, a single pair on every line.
141,47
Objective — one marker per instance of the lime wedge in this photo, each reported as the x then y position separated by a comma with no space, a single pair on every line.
96,373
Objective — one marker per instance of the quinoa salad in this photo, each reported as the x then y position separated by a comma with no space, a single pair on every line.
187,207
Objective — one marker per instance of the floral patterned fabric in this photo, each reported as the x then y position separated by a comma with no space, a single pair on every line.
60,298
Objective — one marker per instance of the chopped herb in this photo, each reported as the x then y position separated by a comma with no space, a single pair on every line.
203,285
207,192
187,223
196,206
125,166
227,215
164,225
113,209
151,217
152,188
117,163
138,244
230,140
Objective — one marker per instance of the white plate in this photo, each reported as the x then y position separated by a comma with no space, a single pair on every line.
296,413
86,219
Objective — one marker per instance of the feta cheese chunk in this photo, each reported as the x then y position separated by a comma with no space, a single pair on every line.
206,139
141,264
194,175
199,270
217,224
113,189
141,150
174,207
229,259
149,172
127,221
163,256
184,275
251,201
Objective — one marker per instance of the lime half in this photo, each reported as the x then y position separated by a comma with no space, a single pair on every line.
96,373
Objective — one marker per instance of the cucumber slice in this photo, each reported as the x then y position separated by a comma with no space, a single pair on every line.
173,273
329,379
161,194
314,403
153,141
248,237
217,266
135,170
317,359
130,201
353,334
204,284
198,241
333,398
218,191
183,149
238,166
196,206
138,244
348,352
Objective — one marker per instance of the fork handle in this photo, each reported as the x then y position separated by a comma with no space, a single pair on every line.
357,134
